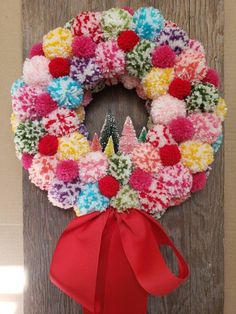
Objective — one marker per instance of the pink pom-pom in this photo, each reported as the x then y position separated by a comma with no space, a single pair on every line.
159,135
26,160
44,104
83,47
199,181
36,71
128,9
67,170
129,81
140,180
163,57
212,77
181,129
140,92
36,50
87,98
93,167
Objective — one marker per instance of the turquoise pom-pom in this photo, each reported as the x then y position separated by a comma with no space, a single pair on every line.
148,22
90,199
67,92
217,144
16,85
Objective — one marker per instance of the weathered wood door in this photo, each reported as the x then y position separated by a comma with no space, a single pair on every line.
196,226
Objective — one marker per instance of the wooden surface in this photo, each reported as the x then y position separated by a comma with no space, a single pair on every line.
196,226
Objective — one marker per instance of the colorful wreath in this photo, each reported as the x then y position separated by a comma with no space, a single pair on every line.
159,168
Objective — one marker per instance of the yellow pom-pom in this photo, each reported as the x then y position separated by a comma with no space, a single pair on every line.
57,43
157,81
80,113
73,146
14,122
221,109
197,156
109,149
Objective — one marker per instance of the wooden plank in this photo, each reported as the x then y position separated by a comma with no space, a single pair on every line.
196,226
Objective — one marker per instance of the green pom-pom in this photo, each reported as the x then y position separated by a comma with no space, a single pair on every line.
143,135
125,199
203,98
114,21
27,136
120,167
138,61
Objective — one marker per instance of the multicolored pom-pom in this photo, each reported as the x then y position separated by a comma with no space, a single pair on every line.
93,167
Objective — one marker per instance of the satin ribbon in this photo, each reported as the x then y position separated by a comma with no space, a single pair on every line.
109,262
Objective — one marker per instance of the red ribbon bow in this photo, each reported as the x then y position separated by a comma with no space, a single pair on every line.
109,262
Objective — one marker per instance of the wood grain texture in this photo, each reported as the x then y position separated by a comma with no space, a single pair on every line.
196,226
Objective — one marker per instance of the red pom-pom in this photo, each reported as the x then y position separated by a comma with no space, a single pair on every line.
67,170
83,47
127,40
180,88
36,50
212,77
140,180
129,9
170,155
48,145
44,104
163,57
199,181
109,186
181,129
59,67
26,160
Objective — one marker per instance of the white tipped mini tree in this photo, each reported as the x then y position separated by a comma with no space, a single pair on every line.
128,139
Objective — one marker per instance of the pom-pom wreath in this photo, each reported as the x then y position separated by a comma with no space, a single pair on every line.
27,135
67,92
36,50
127,40
90,199
146,157
108,186
129,81
26,160
36,71
114,21
203,98
73,146
85,71
179,88
140,180
44,104
110,59
148,22
125,199
199,181
197,156
64,194
217,144
159,135
24,102
163,57
207,126
83,47
221,109
92,167
181,129
109,149
120,167
58,43
67,170
128,139
155,199
176,38
48,145
166,108
16,85
138,61
42,171
157,81
212,77
191,65
60,122
59,67
177,180
88,24
170,155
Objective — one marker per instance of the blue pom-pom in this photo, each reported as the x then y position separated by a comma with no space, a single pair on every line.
217,144
148,22
67,92
90,199
16,85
